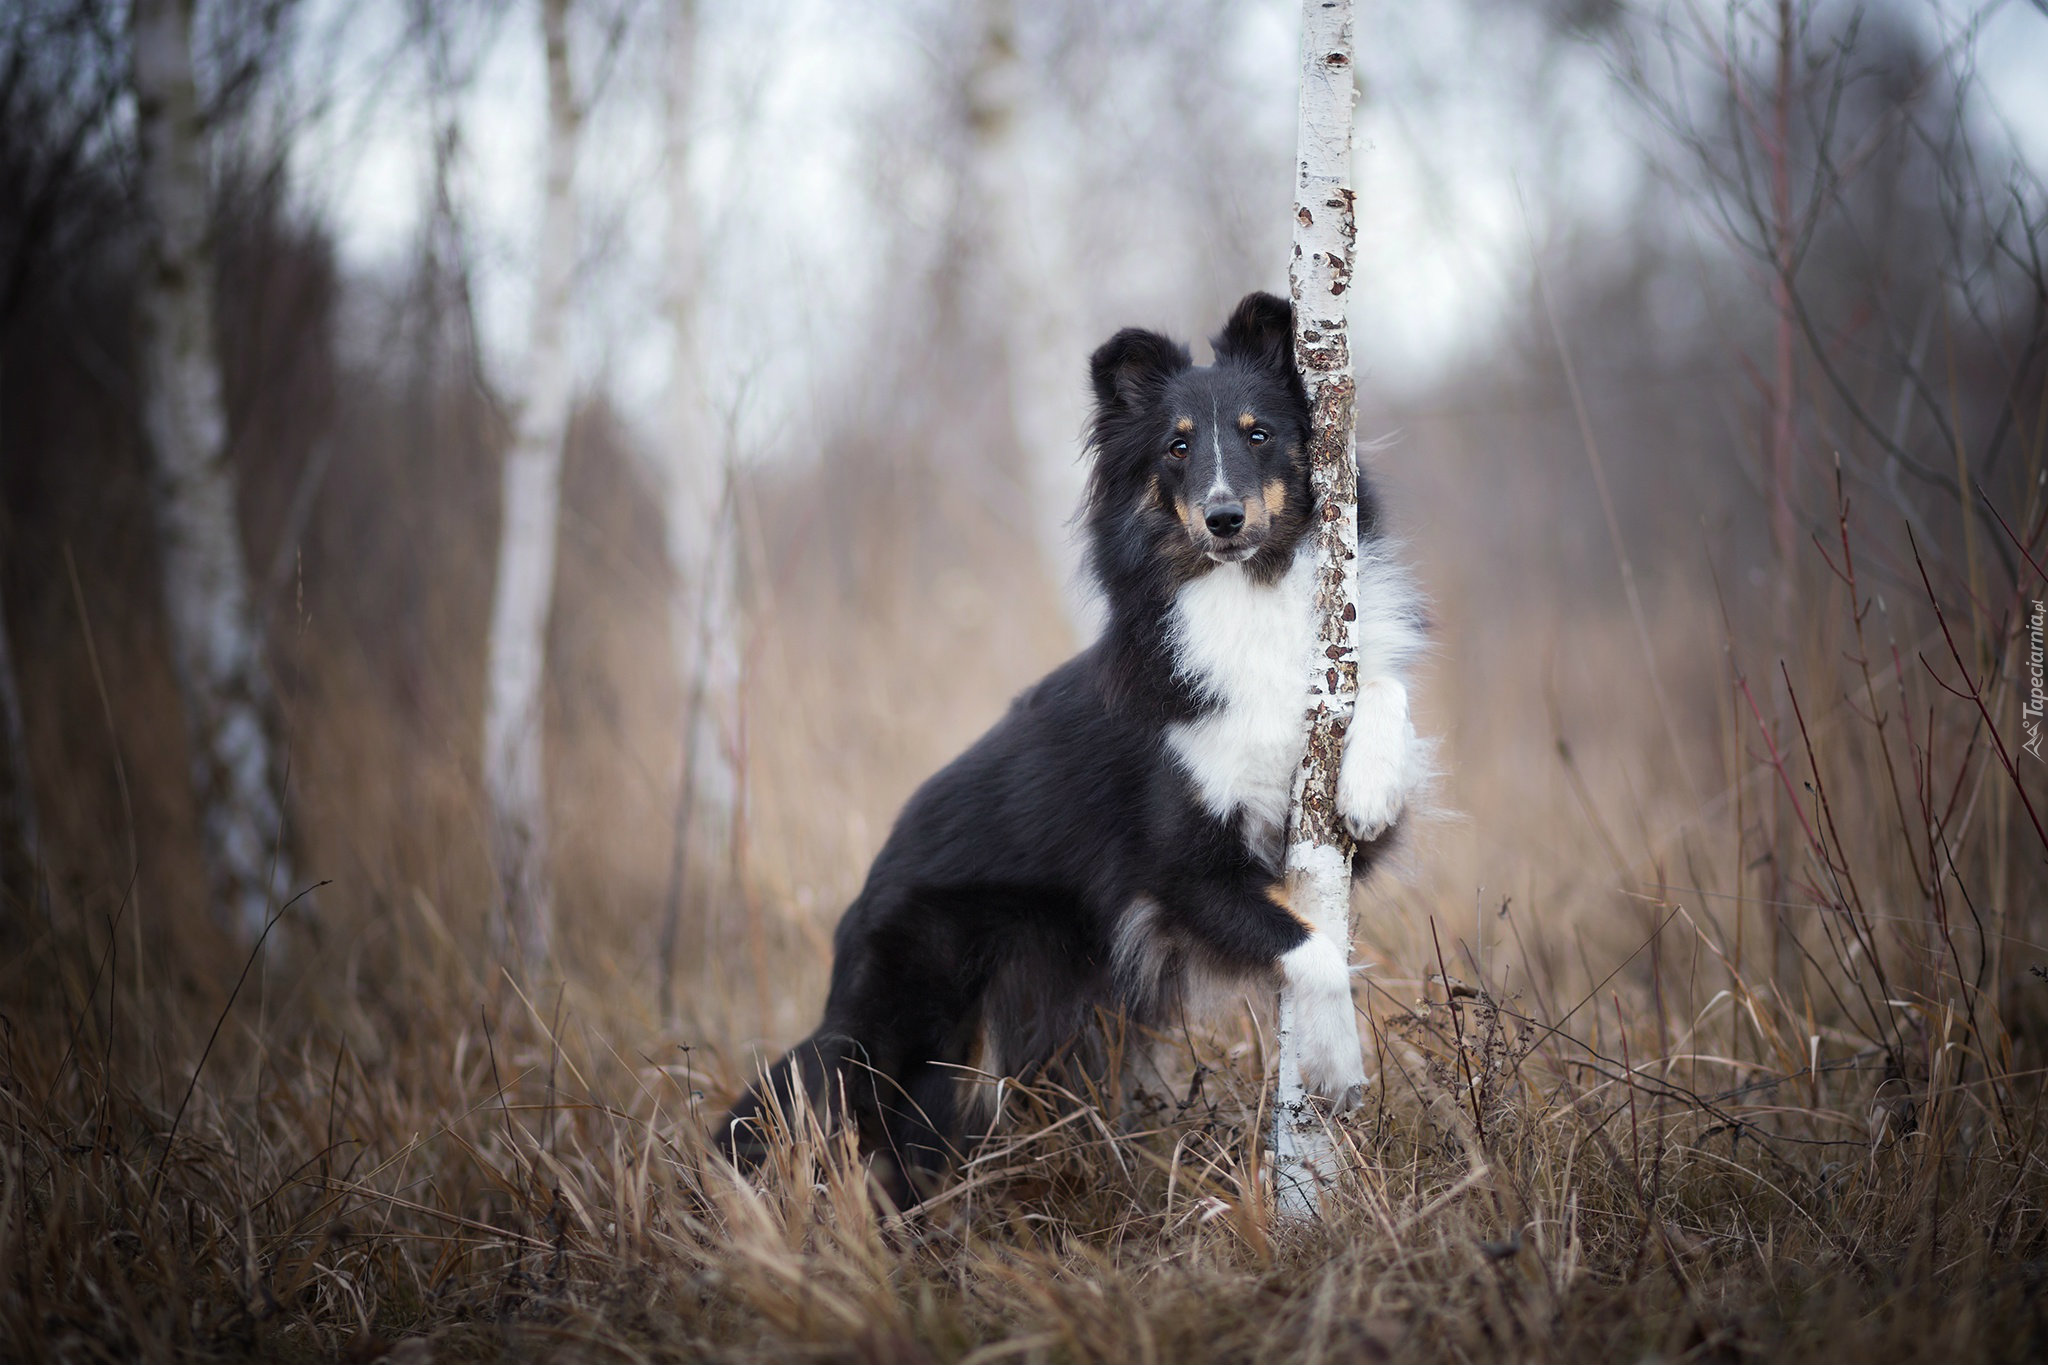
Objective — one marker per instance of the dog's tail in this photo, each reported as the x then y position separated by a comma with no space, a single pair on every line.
809,1086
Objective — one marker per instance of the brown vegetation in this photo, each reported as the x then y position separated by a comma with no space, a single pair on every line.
1710,1013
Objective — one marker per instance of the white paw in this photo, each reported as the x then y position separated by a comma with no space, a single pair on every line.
1373,780
1325,1026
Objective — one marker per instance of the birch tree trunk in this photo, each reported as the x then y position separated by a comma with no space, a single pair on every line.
1319,849
1030,263
216,646
1780,441
513,754
697,520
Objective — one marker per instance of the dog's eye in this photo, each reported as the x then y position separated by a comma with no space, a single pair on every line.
1179,448
1259,436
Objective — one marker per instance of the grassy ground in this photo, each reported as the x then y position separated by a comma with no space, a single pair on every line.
1691,1044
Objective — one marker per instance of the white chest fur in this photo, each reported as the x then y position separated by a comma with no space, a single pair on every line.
1245,646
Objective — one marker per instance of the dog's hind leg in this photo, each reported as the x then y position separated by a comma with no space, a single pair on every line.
909,1022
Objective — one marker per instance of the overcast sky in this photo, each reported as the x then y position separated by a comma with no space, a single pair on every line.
794,240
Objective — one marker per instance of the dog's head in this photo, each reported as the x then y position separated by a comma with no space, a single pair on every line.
1200,465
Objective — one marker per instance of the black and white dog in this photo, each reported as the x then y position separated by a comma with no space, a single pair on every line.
1119,834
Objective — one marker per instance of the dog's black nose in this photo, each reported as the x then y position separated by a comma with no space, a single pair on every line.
1225,518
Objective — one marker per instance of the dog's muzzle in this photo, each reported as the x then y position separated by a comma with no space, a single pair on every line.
1231,532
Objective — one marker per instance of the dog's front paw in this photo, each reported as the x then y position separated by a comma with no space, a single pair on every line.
1373,780
1325,1024
1333,1063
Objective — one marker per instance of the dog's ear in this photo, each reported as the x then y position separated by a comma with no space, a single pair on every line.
1260,333
1134,365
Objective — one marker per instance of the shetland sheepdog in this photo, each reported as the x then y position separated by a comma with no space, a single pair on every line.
1119,835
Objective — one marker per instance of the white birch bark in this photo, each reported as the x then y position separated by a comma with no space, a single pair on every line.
1319,849
693,468
216,646
513,753
1031,266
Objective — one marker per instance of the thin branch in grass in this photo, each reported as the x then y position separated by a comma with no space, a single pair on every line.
1877,719
1969,902
171,1137
1973,990
1635,1136
91,994
333,1089
113,1024
1583,794
99,682
1616,1072
498,1089
1595,992
455,1219
2017,543
1776,761
1777,765
1851,903
1458,1024
1975,694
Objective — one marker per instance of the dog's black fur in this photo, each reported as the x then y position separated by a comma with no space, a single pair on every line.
1005,907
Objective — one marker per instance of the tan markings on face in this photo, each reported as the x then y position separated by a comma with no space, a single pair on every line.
1155,493
1257,516
1184,425
1275,493
1185,511
1245,421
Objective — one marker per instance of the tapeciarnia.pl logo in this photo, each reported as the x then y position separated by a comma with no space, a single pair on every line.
2030,713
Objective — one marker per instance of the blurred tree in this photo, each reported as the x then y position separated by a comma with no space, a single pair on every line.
1777,146
216,642
60,79
1031,268
1874,207
693,463
513,753
1843,160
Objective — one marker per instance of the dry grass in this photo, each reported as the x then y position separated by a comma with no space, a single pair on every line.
1667,1070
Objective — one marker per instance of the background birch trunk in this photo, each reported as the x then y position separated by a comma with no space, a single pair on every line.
1781,439
693,468
1029,265
1319,850
513,754
216,646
